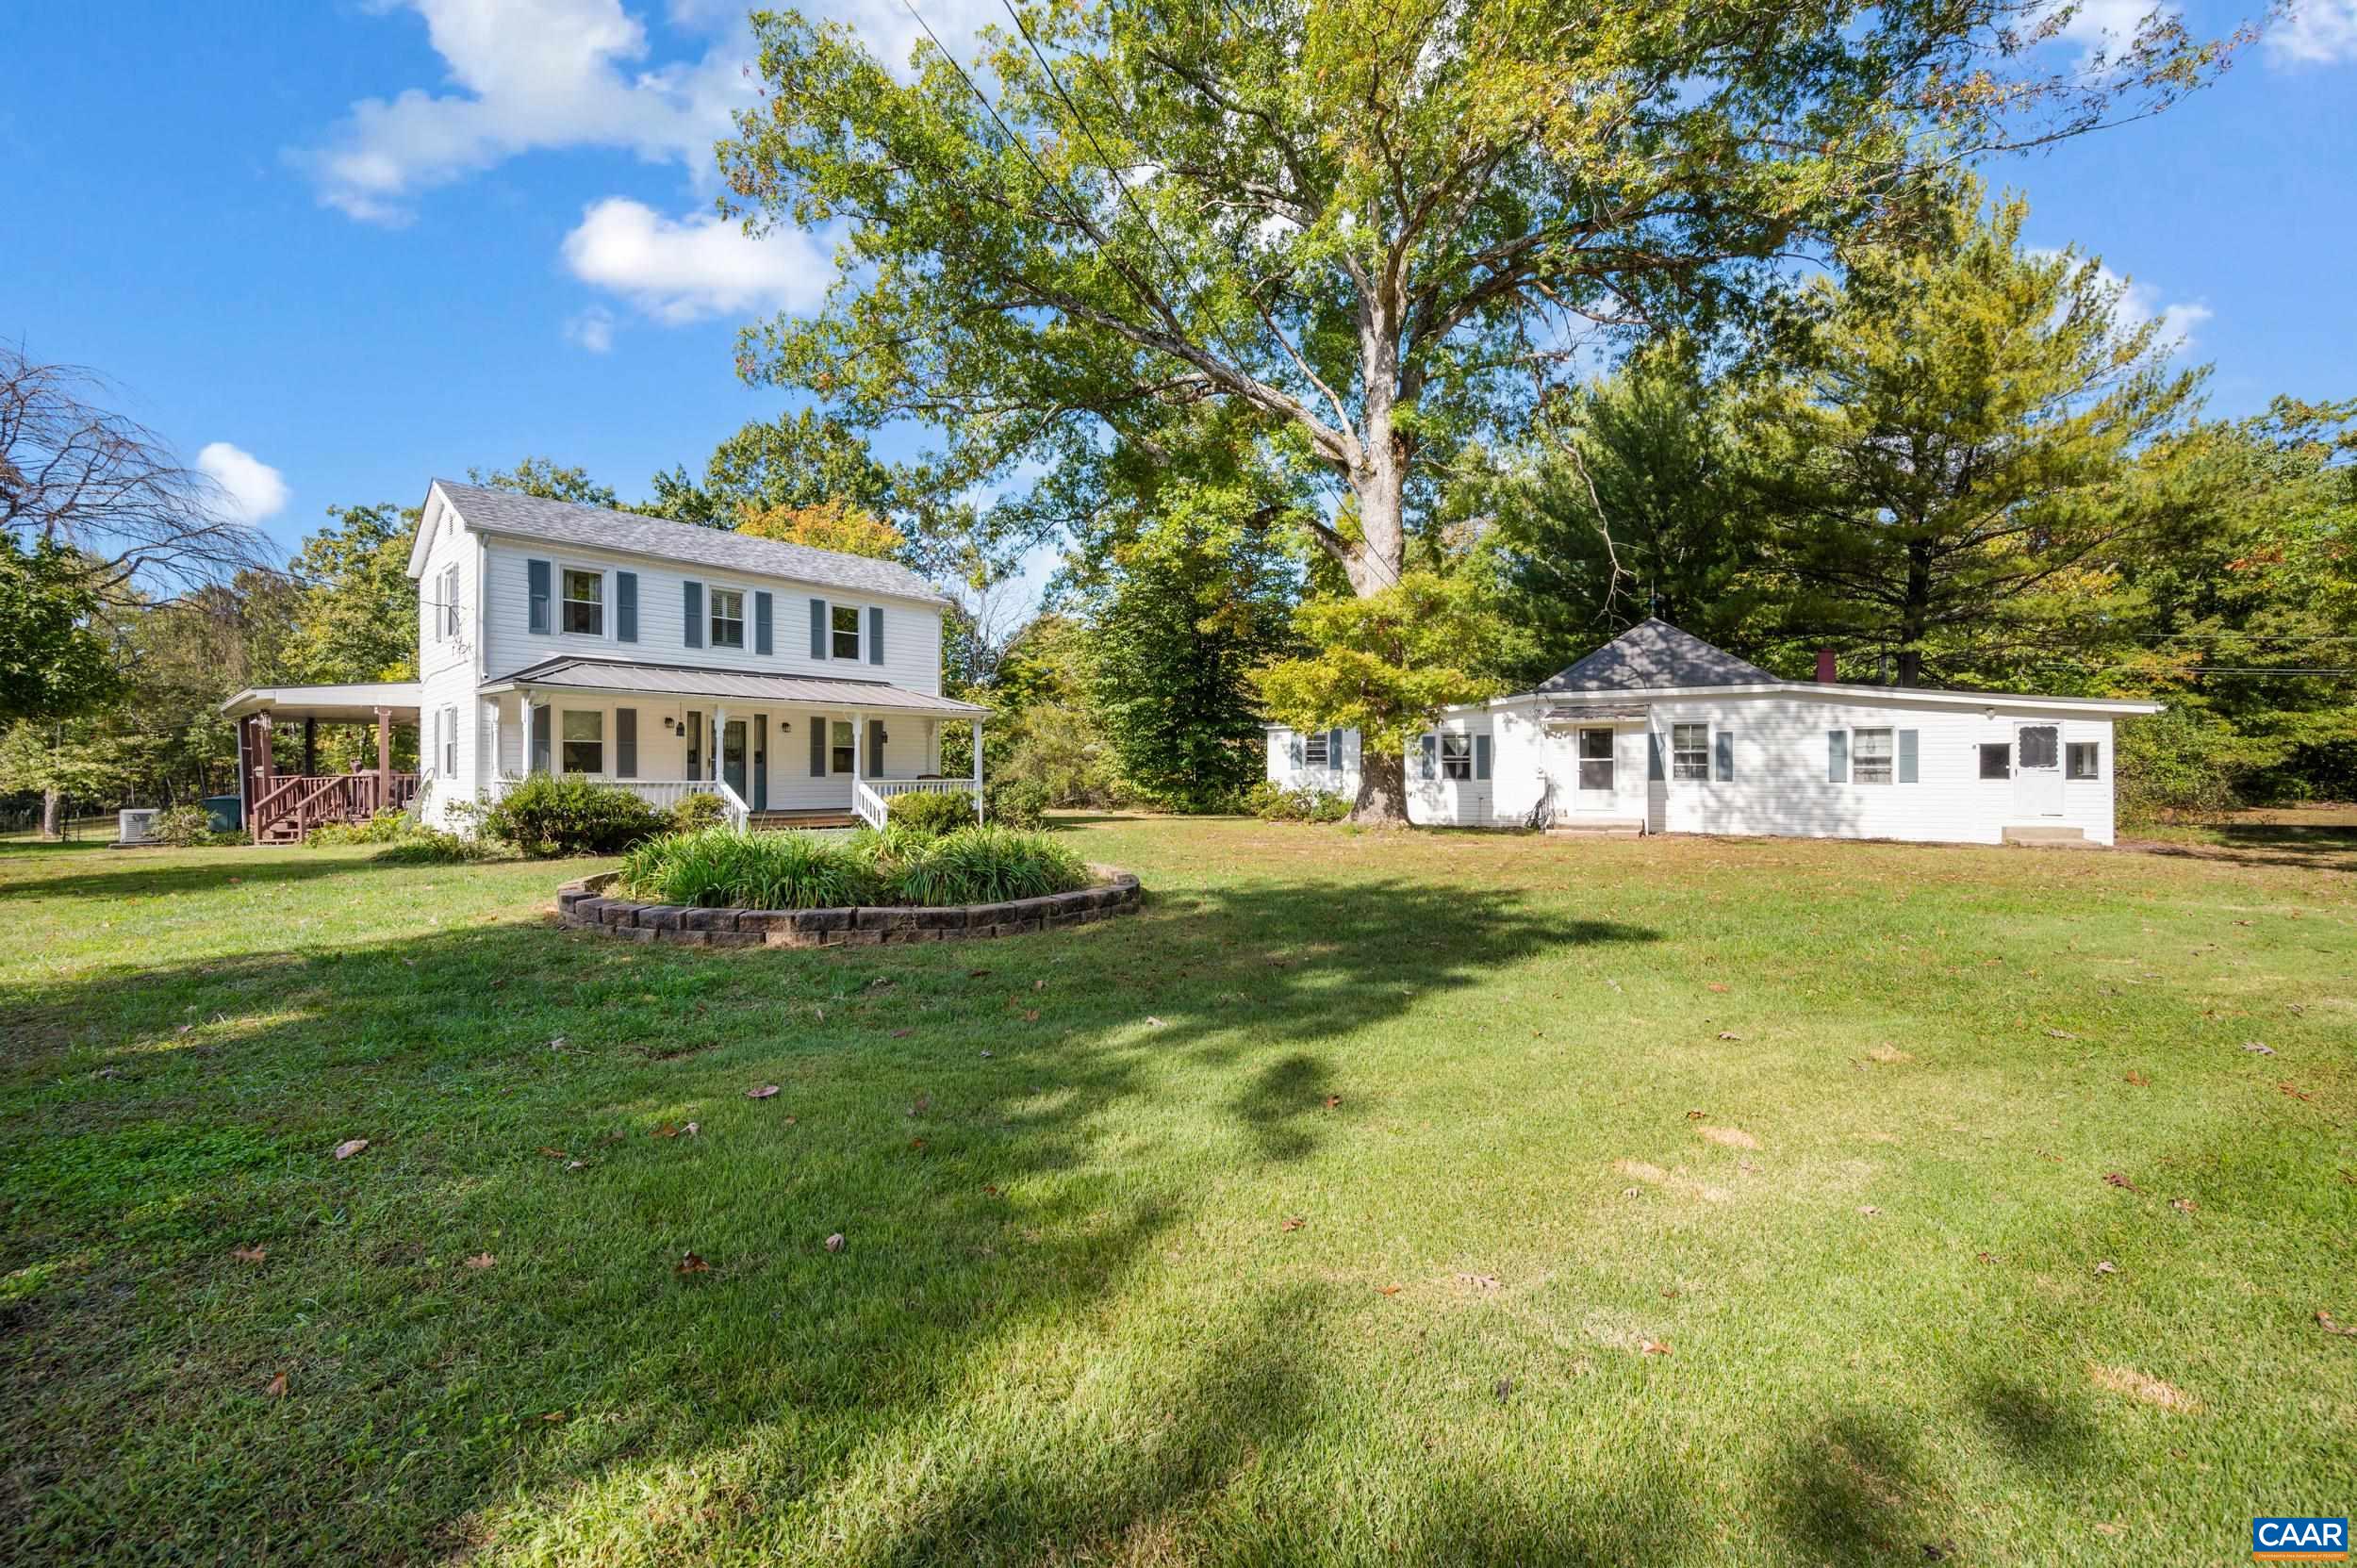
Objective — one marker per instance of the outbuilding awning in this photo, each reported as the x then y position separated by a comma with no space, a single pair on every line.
1600,713
629,678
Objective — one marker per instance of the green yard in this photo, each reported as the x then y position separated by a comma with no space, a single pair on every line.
1427,1199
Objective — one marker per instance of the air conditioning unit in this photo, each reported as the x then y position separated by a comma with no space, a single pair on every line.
136,827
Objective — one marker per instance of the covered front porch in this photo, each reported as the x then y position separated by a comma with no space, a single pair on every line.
276,807
778,750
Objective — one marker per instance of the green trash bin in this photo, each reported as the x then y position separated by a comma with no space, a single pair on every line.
226,811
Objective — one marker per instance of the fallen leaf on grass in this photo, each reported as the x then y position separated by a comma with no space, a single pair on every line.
2136,1385
2324,1321
766,1091
351,1147
1716,986
2107,1527
552,1417
2107,1266
1480,1281
1868,1210
2061,1034
2119,1180
249,1254
549,1152
2183,1205
1888,1055
1333,1102
1150,1022
902,1033
1030,1014
2296,1093
481,1260
1393,1289
1295,1224
1729,1035
917,1144
2138,1078
1696,1115
835,1242
977,974
2257,1049
276,1389
1653,1348
690,1264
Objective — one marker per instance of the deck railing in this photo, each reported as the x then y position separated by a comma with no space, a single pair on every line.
306,800
888,788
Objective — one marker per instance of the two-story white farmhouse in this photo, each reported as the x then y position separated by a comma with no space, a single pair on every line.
801,685
1659,732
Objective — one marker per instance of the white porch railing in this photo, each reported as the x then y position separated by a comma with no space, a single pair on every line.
869,805
888,788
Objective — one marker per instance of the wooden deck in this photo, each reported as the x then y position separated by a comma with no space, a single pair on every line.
296,804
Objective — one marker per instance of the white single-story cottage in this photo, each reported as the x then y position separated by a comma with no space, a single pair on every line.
801,686
1659,732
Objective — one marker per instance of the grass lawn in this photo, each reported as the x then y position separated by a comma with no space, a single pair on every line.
1420,1198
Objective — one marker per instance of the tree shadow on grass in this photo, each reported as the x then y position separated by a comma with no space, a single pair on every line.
2305,848
143,873
509,1077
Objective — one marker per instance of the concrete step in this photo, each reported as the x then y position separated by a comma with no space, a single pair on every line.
1596,827
2057,837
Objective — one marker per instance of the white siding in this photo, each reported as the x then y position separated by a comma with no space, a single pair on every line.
447,667
1284,773
1444,802
912,630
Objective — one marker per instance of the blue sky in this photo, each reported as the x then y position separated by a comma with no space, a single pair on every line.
340,248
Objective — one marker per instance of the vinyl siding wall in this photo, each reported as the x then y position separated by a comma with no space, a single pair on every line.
912,631
1285,774
447,668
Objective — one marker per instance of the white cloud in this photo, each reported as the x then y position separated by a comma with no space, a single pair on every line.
532,75
536,75
2134,304
680,269
2106,26
250,489
593,329
2317,32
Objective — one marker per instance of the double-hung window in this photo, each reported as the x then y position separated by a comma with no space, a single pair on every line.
843,628
583,610
446,606
1689,752
843,747
584,742
1455,755
447,721
728,618
2084,762
1870,756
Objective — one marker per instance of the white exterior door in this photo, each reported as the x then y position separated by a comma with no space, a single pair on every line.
1595,787
2038,777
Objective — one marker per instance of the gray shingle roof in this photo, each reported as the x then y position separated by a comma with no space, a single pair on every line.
672,679
564,523
1653,654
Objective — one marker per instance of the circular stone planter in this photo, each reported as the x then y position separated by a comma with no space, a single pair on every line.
583,905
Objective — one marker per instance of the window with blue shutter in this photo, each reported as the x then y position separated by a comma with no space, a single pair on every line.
819,651
692,607
819,720
694,731
1906,756
1836,756
1334,753
536,581
875,749
1296,748
625,607
1431,759
626,743
875,635
761,624
1722,757
1481,757
1652,757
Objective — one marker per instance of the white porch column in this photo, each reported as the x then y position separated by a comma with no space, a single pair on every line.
858,746
978,770
712,752
523,758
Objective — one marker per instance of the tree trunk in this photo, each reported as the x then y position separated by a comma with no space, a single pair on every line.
1914,615
1382,787
52,813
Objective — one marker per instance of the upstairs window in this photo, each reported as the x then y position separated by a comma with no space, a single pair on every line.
446,602
1689,752
584,603
1870,756
1456,757
2083,761
843,622
728,618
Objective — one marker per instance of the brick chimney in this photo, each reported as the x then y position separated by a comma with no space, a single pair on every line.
1824,667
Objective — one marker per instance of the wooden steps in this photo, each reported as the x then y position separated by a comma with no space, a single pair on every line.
775,821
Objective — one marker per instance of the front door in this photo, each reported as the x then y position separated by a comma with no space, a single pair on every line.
732,757
1596,783
2037,779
